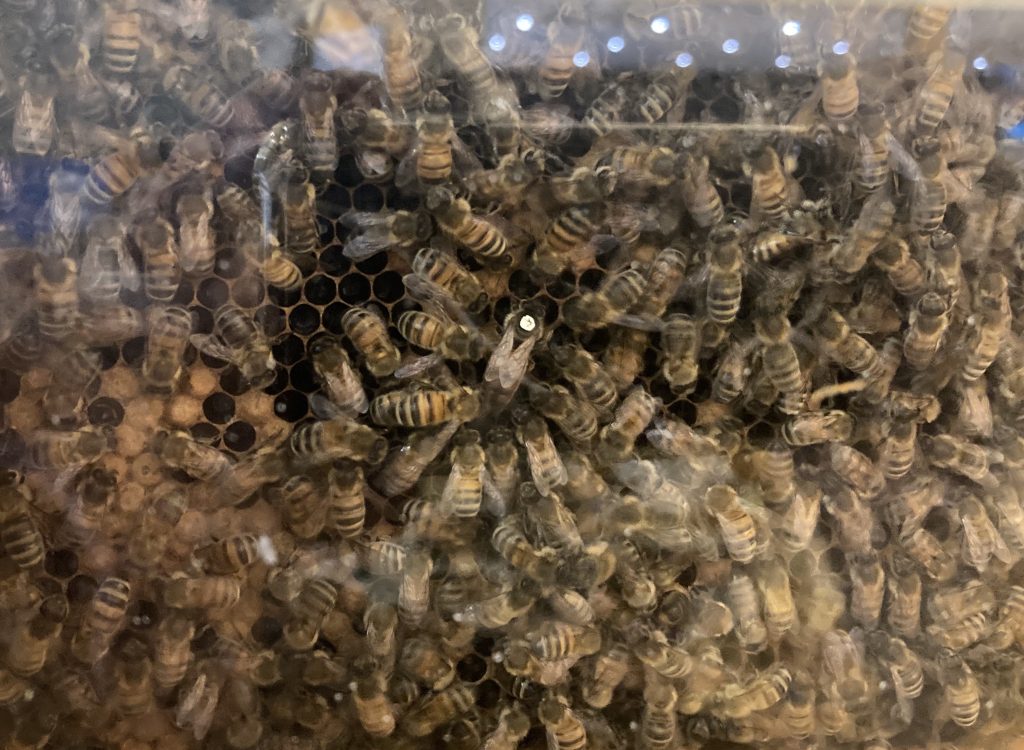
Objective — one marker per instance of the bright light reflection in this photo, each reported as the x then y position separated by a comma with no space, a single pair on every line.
684,60
660,24
730,46
524,22
783,61
980,63
616,44
581,59
791,28
496,42
841,47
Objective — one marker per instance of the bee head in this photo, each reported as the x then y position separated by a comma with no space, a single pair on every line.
439,198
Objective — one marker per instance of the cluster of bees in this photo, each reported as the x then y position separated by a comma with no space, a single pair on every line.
679,434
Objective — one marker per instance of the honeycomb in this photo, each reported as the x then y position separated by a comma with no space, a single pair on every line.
837,664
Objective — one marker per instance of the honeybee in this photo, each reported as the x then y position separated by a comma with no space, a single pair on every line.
56,297
172,650
936,93
317,106
459,44
896,453
498,611
645,166
945,274
94,488
437,709
632,416
867,590
159,250
591,382
463,491
857,470
740,700
50,449
62,399
133,679
214,592
314,602
961,457
770,190
962,693
570,230
700,196
924,26
928,323
725,278
199,96
414,587
928,552
374,710
106,264
511,543
512,727
871,226
820,426
369,334
774,469
905,273
237,339
566,35
624,357
780,361
564,728
33,638
422,407
346,504
169,330
335,437
405,465
928,198
303,508
872,168
442,270
229,555
502,470
985,337
298,202
546,466
117,172
103,618
121,37
904,666
609,669
375,232
401,74
341,383
145,548
609,108
179,450
746,608
739,533
840,95
481,237
575,418
35,124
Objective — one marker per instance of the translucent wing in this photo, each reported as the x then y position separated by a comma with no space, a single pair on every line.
418,366
535,456
639,322
371,242
451,486
323,408
507,365
347,382
131,279
429,293
213,346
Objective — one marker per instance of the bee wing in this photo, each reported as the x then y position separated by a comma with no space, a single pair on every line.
506,365
405,172
212,345
434,296
131,279
323,408
336,383
463,159
639,322
362,246
534,459
418,366
364,220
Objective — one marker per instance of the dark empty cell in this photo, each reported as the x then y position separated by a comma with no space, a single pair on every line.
212,362
578,144
367,198
725,109
143,614
10,386
550,311
229,263
303,378
471,668
325,230
289,350
47,585
291,406
596,341
502,308
354,289
108,356
205,433
239,170
388,287
266,631
707,87
685,410
284,297
304,319
239,436
347,173
81,589
213,293
205,640
248,292
563,287
132,350
271,319
202,319
184,294
374,264
219,408
12,449
521,285
61,563
760,433
279,383
332,317
232,382
591,278
402,201
105,412
305,262
320,290
333,261
738,196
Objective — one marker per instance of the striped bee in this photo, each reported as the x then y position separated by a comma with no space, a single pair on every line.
421,407
346,503
159,249
840,92
299,213
317,105
725,277
199,96
35,123
196,243
566,35
237,339
56,297
463,491
122,30
105,616
480,236
401,74
444,272
229,555
107,266
164,359
369,334
116,173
